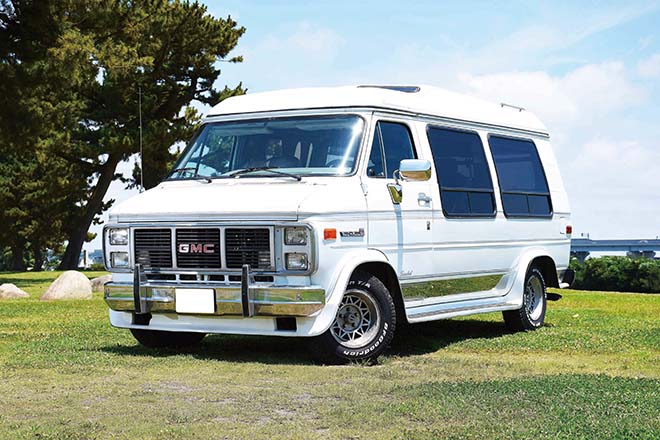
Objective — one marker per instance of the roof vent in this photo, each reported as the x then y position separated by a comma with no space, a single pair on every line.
404,89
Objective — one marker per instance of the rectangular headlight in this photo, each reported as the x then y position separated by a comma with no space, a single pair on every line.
119,259
296,262
118,236
295,236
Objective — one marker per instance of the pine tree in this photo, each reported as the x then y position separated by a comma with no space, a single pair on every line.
79,66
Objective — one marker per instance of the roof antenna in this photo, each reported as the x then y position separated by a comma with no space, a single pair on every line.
141,153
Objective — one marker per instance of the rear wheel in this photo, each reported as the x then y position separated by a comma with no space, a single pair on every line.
364,324
532,313
162,339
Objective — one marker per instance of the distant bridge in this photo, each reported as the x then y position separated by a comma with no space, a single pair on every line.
582,247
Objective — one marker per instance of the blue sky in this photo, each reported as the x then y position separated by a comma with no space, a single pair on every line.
589,70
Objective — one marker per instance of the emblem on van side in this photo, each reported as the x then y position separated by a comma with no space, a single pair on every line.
358,233
196,248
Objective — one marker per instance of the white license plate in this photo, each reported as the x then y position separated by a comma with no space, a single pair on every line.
195,301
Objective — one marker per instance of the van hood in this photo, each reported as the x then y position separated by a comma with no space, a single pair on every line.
222,199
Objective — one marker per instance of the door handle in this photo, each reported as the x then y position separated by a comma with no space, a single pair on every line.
421,197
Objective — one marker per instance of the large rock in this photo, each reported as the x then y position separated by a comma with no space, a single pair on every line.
10,291
97,283
69,285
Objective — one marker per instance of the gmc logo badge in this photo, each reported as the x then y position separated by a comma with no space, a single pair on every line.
193,248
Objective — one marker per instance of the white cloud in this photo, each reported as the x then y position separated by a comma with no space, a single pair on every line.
535,91
645,42
650,67
617,166
305,40
576,98
295,55
613,185
316,40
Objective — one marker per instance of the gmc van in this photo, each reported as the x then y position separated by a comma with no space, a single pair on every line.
338,214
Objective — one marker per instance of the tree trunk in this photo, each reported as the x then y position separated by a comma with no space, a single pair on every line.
38,258
77,237
17,260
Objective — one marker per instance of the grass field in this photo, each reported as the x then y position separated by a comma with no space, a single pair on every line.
592,372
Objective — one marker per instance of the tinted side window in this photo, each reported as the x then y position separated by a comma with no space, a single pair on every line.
466,188
522,180
393,143
375,167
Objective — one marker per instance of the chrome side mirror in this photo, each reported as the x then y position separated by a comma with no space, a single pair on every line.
415,169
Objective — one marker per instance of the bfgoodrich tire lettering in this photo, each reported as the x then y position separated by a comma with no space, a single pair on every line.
162,339
532,313
364,325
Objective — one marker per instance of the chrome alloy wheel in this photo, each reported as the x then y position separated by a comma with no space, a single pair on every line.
534,298
357,320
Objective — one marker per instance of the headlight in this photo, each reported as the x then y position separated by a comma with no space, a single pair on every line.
296,262
118,236
119,259
295,236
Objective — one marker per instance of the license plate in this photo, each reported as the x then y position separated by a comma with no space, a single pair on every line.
195,301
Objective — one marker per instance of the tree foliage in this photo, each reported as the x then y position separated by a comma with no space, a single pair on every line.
70,74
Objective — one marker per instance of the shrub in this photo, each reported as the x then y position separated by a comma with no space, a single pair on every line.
97,266
622,274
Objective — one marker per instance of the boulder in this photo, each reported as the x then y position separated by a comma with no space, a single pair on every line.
69,285
10,291
97,283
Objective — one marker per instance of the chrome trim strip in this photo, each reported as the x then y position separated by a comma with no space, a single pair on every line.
266,300
447,287
450,276
438,312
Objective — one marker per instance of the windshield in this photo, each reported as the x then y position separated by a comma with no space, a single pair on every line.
326,146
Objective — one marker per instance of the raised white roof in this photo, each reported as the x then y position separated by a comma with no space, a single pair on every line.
426,100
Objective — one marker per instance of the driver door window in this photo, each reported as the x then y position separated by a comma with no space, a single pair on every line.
392,143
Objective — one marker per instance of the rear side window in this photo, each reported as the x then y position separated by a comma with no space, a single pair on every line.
466,188
392,143
522,180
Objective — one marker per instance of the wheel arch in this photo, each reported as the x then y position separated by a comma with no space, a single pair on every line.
548,269
386,274
368,260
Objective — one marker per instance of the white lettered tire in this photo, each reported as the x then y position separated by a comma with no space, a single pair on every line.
532,313
364,324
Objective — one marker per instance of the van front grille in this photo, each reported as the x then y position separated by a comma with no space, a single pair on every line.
248,246
198,248
153,248
201,248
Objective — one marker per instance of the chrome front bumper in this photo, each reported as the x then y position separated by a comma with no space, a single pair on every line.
259,300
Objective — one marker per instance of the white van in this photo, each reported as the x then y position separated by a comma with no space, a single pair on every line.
339,214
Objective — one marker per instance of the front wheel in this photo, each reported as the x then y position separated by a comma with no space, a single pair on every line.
364,324
532,313
162,339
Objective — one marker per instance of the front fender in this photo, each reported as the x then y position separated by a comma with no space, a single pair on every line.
341,277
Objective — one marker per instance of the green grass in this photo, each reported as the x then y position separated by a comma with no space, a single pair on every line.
592,372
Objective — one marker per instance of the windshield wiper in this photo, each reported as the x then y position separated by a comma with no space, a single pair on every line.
195,176
269,169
